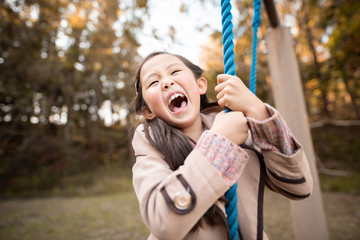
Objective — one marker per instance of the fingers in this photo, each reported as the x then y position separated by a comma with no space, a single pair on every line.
232,125
223,101
226,89
233,93
222,78
222,89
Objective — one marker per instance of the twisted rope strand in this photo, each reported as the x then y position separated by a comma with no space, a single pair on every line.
232,212
227,26
255,24
229,68
229,63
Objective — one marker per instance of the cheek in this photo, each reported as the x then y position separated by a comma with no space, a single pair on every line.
153,99
193,90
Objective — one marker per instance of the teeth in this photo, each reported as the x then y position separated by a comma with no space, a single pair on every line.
175,96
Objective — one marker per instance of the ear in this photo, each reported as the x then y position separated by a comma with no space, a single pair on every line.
147,113
202,84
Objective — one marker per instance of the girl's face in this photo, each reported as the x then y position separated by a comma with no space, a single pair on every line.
171,91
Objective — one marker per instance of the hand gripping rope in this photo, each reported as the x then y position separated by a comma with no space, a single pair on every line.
229,63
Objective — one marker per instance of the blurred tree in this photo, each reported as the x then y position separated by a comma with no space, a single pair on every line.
322,51
325,35
342,30
65,75
311,42
212,56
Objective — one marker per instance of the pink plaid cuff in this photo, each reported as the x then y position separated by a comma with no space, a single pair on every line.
228,158
272,134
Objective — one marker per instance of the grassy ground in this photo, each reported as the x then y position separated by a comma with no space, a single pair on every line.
100,217
107,209
116,216
342,214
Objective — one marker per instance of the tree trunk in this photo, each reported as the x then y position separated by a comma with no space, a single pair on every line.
351,93
318,74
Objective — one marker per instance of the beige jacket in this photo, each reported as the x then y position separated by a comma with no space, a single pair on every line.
156,187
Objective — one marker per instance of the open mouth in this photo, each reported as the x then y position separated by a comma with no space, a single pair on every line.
177,102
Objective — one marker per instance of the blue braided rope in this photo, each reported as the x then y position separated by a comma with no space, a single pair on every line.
255,24
229,63
232,212
227,26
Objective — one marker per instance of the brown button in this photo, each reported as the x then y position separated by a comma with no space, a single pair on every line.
182,200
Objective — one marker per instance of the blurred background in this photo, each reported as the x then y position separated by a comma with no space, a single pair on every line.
67,82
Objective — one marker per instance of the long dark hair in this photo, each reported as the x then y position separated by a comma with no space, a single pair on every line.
170,141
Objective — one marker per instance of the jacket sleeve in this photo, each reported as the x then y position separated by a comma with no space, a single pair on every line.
287,167
156,187
288,174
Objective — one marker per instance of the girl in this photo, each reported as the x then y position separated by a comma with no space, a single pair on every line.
189,152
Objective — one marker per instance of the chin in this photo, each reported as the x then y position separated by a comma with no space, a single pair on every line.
184,124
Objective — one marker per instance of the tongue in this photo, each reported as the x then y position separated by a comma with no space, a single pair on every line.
183,104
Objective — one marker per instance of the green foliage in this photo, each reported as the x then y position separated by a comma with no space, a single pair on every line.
334,27
326,36
338,146
59,63
39,163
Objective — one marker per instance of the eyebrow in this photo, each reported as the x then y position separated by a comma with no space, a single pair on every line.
146,79
173,64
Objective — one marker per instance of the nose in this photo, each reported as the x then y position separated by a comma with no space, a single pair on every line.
167,83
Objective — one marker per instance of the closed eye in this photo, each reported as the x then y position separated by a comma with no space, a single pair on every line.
153,82
174,72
